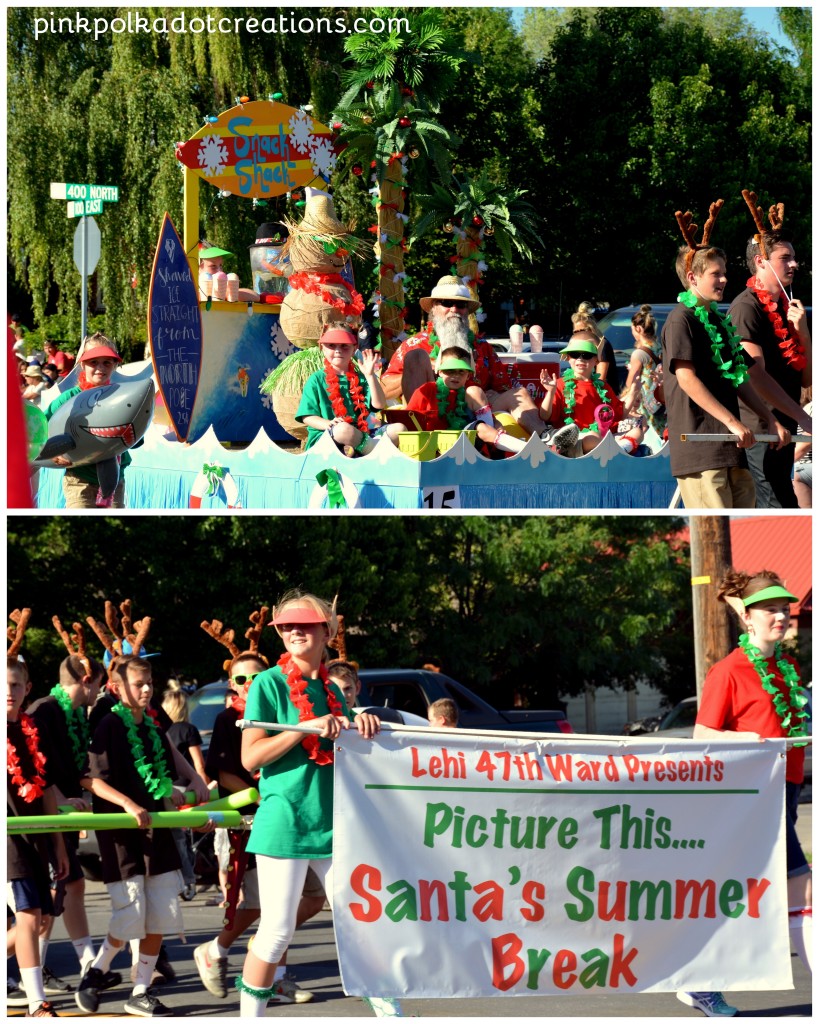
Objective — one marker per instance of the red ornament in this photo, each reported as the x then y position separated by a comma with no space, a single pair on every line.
406,91
358,170
337,126
477,221
369,85
404,122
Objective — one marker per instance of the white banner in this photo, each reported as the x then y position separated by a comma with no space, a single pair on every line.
468,866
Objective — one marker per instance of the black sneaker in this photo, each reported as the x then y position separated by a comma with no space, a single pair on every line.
164,965
54,986
110,980
87,996
147,1005
43,1010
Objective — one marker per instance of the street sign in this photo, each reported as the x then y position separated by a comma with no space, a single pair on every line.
102,193
83,208
92,246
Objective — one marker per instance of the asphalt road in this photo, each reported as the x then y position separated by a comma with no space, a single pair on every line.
313,961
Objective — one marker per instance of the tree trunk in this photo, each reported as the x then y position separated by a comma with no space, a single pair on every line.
468,247
390,254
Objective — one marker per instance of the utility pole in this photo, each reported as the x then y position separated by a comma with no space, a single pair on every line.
710,557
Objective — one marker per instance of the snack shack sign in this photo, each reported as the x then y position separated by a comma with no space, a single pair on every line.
468,866
261,149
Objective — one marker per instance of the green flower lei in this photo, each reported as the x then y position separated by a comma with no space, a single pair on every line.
458,417
789,709
570,399
77,722
733,369
159,786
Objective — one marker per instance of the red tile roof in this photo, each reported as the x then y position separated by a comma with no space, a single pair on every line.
779,543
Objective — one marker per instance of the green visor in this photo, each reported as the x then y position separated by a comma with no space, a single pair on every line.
768,594
213,252
455,364
580,347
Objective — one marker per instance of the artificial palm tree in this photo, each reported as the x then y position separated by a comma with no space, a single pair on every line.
472,210
387,117
384,133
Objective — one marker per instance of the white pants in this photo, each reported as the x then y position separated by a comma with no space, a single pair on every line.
281,881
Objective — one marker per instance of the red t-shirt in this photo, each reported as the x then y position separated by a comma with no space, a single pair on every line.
63,361
586,402
425,403
733,700
490,373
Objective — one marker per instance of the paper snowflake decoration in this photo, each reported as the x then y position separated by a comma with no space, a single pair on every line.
301,129
322,157
279,342
213,155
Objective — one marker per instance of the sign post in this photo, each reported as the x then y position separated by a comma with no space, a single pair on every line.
85,201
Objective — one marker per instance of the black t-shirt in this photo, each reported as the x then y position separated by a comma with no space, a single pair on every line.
607,357
753,325
225,753
52,724
126,853
685,338
183,735
28,856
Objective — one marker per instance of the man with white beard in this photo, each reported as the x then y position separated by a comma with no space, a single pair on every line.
449,307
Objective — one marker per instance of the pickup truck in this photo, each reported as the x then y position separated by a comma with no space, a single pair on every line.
413,690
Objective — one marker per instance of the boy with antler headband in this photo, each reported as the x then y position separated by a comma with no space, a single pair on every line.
773,328
63,717
32,769
705,372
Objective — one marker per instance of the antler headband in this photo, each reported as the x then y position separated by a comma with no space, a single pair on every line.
776,216
225,637
16,632
689,230
74,642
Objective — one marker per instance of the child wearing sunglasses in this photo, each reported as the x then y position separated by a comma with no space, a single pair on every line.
342,398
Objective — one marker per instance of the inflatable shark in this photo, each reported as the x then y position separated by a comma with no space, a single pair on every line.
98,425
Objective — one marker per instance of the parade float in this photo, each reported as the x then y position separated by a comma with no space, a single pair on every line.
217,442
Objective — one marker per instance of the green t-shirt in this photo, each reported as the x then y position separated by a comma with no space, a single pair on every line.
315,401
86,472
295,818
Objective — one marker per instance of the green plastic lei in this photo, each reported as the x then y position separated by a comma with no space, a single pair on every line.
733,369
569,395
257,993
75,719
458,417
790,708
158,785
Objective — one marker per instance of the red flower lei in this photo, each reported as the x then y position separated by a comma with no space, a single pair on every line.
298,695
340,408
237,702
792,348
28,791
312,282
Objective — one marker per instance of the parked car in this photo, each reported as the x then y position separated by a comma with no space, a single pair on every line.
209,701
414,690
680,719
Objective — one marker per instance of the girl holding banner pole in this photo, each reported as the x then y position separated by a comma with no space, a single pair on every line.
756,692
293,828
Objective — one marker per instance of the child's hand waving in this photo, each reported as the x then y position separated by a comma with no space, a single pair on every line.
548,380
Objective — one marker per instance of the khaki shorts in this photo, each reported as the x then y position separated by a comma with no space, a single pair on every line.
146,905
80,494
718,488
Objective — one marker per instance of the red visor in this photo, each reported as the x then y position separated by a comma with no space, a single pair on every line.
298,613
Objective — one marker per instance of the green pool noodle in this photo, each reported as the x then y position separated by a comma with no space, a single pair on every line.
77,821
